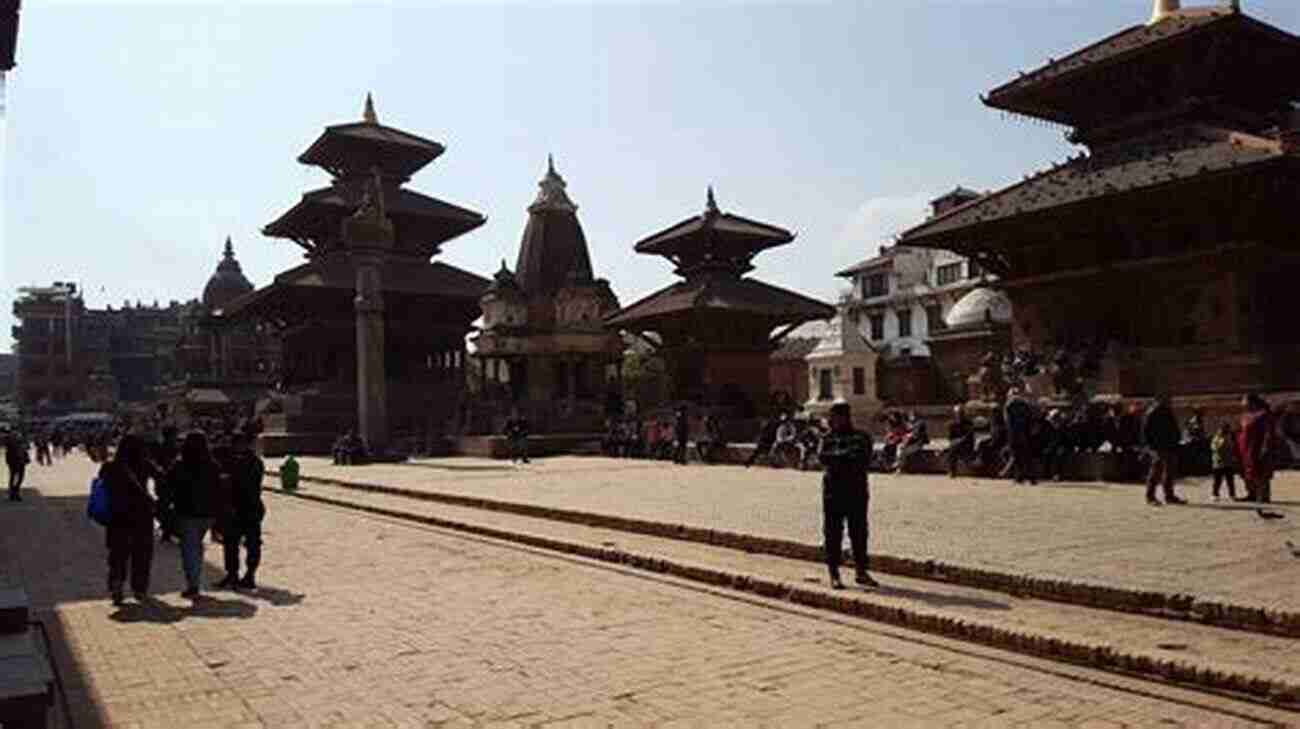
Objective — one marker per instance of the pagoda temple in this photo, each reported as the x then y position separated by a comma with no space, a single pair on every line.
716,328
373,332
1167,248
544,349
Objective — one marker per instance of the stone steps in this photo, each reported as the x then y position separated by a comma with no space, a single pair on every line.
26,679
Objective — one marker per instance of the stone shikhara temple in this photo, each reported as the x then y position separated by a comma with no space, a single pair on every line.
1169,245
373,332
544,349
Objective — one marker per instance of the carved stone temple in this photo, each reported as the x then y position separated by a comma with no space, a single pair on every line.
544,349
1168,245
373,332
717,327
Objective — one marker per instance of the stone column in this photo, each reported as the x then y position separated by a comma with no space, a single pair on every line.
369,234
372,383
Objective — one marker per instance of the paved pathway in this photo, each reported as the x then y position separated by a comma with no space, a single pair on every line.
1085,532
367,622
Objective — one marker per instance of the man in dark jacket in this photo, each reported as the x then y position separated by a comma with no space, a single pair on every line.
1020,422
16,459
246,513
1160,434
516,433
846,455
164,456
766,438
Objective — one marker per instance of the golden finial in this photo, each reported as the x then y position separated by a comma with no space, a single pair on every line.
369,115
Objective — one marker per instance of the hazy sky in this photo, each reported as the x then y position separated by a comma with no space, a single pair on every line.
137,137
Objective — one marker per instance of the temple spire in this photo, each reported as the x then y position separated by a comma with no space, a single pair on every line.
550,164
369,116
1162,9
230,249
711,205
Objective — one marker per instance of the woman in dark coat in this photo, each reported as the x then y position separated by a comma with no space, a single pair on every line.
194,483
1257,442
130,523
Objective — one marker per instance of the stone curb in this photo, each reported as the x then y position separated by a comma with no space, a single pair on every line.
1097,656
1150,603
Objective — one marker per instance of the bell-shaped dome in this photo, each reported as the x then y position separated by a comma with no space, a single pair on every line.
978,307
227,283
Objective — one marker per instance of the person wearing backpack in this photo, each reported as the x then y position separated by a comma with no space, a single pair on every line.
244,524
194,483
129,532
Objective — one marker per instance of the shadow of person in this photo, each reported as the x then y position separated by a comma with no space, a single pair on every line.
214,607
148,610
938,599
153,610
276,596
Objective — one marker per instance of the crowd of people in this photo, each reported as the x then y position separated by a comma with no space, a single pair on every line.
206,482
663,438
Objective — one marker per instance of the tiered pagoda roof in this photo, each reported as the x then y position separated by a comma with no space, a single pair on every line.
713,251
355,154
1191,97
350,152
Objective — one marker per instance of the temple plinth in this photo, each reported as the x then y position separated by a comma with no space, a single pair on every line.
373,331
1168,246
717,327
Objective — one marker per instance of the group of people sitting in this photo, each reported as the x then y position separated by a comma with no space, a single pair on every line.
789,442
350,450
663,438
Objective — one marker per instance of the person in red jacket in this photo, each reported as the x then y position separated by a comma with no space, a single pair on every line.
1257,442
130,525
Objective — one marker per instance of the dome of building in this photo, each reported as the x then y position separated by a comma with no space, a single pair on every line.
979,306
227,283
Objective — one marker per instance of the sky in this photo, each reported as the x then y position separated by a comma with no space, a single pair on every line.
136,137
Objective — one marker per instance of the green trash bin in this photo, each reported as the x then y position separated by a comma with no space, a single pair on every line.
289,474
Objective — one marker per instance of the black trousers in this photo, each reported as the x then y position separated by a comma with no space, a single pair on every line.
16,473
248,532
1221,475
837,508
1163,463
130,544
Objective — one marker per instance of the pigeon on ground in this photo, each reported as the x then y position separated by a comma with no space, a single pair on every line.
1266,514
1295,551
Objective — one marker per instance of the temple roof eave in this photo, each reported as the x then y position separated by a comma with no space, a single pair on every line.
998,210
1028,94
732,228
320,212
686,297
340,141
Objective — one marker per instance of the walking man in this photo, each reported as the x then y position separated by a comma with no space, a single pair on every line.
1160,434
846,455
246,471
16,457
516,432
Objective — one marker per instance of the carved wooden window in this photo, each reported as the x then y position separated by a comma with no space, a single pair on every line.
904,322
948,273
877,284
974,270
859,381
877,326
824,391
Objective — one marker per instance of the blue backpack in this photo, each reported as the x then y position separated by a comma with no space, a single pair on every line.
97,504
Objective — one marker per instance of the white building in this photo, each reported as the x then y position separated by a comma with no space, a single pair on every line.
902,296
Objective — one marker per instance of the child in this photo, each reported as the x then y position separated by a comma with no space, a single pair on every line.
1223,458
